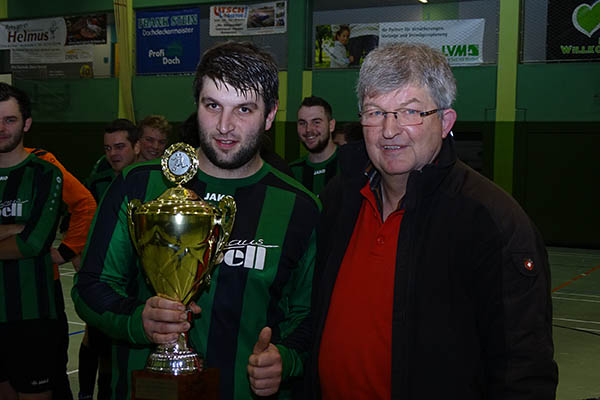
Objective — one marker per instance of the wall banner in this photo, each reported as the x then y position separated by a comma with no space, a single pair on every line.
573,31
86,29
346,45
460,40
168,42
33,33
52,32
255,19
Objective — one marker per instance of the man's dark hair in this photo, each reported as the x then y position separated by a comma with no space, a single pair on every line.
122,124
314,101
7,91
244,67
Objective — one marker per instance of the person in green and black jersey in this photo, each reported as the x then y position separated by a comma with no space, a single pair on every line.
247,323
315,127
121,149
31,191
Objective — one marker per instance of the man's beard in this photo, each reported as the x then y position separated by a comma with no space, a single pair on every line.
240,158
10,146
319,147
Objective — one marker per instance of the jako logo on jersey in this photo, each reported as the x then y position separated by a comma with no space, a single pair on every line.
319,171
12,208
246,253
213,196
3,178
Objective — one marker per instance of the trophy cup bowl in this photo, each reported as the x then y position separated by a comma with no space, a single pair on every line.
179,239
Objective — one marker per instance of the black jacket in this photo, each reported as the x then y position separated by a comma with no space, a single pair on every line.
472,314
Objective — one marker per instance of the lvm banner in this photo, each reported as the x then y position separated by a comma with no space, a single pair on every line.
168,42
460,40
346,45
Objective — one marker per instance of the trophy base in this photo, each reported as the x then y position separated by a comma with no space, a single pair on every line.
174,358
149,385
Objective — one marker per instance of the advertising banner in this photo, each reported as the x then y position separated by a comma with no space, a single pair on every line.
53,62
573,31
53,32
53,55
86,29
244,20
33,33
168,42
460,40
342,46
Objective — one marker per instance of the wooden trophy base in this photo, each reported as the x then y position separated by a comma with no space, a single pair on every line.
148,385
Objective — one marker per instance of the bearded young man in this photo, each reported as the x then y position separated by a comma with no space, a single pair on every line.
31,191
246,323
315,127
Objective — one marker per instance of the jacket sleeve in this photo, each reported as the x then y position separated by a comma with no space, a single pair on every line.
107,289
516,315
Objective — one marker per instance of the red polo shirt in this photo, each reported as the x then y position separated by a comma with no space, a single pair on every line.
355,355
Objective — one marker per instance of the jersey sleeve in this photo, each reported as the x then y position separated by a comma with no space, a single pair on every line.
81,206
102,292
39,229
293,347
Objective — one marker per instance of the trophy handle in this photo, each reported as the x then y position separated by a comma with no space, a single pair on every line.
131,207
228,208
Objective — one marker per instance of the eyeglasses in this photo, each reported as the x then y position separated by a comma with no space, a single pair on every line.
403,116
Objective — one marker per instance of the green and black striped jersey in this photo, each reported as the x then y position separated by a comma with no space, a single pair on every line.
31,194
98,182
315,176
265,278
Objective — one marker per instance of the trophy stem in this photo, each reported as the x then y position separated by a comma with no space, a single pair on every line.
174,358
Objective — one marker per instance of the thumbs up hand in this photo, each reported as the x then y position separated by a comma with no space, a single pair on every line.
264,365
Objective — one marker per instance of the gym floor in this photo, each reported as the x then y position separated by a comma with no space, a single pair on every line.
576,320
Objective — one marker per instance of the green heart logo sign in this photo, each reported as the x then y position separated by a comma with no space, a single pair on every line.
586,18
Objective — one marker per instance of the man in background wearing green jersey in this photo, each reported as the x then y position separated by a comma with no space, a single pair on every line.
246,324
31,191
315,127
121,149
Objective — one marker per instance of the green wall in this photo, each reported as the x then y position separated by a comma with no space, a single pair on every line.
44,8
556,133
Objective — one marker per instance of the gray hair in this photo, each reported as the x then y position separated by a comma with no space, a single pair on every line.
398,65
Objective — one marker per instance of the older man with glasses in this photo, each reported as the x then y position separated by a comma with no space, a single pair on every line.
433,281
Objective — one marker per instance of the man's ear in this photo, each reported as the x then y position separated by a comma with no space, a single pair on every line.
448,120
137,148
27,124
271,117
332,126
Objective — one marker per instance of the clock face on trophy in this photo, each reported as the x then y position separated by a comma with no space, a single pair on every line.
179,163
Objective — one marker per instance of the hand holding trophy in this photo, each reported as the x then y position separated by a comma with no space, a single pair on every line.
179,238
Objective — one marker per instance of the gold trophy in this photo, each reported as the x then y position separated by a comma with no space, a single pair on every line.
179,238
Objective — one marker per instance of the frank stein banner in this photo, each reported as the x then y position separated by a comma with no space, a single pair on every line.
573,30
168,42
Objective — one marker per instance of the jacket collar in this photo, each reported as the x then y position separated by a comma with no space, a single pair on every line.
356,169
